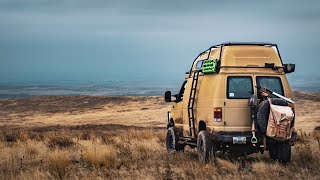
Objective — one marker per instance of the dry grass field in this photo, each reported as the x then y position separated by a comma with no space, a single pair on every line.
87,137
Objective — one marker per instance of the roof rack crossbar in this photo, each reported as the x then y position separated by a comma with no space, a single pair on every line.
243,43
275,67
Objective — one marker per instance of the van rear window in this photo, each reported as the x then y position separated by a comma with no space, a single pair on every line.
239,87
271,82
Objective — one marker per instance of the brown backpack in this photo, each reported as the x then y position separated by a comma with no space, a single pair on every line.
279,122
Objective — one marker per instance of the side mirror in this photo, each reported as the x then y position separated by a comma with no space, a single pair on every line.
167,96
289,68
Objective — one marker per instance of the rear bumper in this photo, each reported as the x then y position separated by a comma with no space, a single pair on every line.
229,137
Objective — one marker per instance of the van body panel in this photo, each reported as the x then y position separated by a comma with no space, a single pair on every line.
212,88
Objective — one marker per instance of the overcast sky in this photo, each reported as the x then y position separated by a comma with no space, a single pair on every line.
146,40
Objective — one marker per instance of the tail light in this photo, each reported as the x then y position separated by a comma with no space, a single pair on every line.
217,114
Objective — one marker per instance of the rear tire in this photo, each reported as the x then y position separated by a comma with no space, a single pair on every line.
204,146
264,110
284,152
273,151
172,141
280,151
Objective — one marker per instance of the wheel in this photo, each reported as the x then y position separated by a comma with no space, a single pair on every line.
280,151
273,151
172,139
284,152
263,113
204,147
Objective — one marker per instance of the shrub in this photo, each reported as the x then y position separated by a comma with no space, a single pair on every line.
302,137
57,164
14,136
61,141
305,154
87,136
316,133
100,155
33,148
107,140
227,166
10,137
34,174
142,134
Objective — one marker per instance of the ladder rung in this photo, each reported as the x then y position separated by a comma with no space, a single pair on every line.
191,102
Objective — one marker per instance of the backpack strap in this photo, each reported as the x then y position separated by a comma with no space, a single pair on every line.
270,102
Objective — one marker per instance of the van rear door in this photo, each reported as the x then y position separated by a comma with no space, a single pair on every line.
237,112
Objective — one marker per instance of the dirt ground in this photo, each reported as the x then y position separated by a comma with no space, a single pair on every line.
307,111
108,112
83,112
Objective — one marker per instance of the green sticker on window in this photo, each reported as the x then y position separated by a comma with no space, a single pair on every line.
209,66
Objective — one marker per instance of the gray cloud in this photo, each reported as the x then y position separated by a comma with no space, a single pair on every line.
88,37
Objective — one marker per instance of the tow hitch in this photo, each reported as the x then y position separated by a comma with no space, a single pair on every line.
253,102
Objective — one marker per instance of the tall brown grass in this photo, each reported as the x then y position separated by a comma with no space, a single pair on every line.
100,155
139,154
57,163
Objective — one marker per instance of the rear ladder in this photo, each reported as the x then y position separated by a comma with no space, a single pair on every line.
192,128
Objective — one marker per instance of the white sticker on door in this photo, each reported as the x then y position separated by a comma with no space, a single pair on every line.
231,94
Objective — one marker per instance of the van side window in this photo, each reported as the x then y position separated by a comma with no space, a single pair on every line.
181,92
239,87
271,82
199,65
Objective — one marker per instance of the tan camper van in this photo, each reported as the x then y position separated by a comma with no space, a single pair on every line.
224,102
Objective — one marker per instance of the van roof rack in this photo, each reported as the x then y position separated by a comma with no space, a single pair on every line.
237,44
240,44
246,43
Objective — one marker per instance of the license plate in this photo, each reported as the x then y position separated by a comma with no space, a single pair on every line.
239,140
